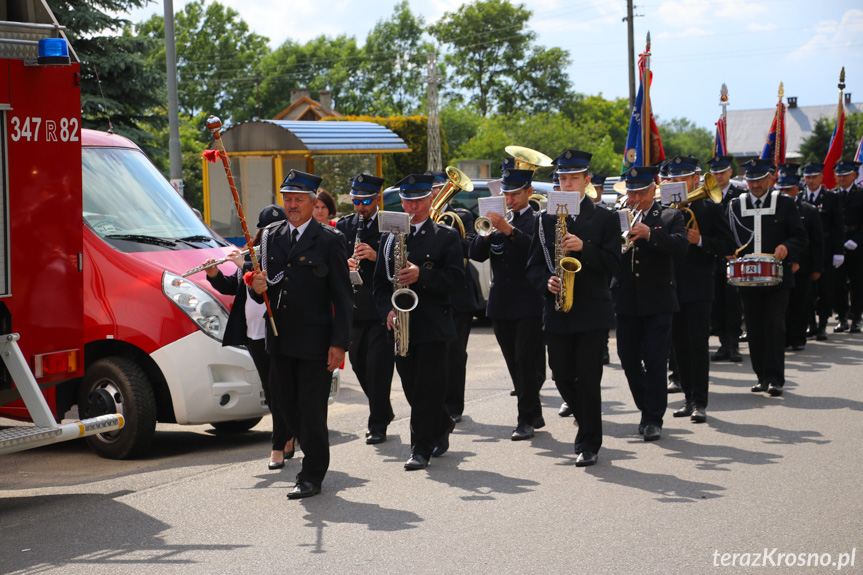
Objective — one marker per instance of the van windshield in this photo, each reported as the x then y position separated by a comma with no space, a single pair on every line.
127,199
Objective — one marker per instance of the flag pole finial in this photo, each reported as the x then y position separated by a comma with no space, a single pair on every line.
842,79
723,94
781,91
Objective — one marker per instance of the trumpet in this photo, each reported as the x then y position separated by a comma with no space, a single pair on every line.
458,181
634,218
201,268
708,189
565,267
484,227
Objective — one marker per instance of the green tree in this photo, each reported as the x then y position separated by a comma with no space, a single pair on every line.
814,148
216,59
133,87
396,62
680,137
495,63
596,113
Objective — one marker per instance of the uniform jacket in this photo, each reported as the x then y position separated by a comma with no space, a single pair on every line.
436,249
733,192
812,257
784,227
852,207
313,303
464,298
591,309
645,285
695,271
364,305
235,331
829,205
511,295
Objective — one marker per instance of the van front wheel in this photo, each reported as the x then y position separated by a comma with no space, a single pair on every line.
119,385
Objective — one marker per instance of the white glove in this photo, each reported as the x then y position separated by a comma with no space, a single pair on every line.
837,260
851,245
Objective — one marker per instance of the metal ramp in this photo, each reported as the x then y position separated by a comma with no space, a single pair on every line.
45,429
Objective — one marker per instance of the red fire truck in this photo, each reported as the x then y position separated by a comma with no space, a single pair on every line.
105,319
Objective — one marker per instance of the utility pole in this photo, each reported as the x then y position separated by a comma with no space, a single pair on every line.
630,31
434,162
175,155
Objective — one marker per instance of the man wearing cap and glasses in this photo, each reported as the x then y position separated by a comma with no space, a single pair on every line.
576,339
514,304
464,304
782,235
435,269
809,263
645,297
829,204
370,352
850,274
305,274
693,272
727,311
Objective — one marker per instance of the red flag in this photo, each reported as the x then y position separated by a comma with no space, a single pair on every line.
834,152
720,142
211,155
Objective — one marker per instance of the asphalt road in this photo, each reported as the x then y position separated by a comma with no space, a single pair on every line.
781,475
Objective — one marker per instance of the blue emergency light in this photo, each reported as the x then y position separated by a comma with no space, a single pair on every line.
53,51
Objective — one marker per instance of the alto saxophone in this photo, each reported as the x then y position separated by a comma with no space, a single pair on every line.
404,299
565,267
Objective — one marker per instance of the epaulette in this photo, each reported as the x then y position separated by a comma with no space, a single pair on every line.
346,216
274,225
331,229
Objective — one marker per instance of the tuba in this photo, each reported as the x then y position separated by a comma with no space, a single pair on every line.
564,267
458,181
527,159
708,189
404,299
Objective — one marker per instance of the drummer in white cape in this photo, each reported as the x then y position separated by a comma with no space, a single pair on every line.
770,236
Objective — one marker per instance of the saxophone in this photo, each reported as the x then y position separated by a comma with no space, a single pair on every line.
404,299
565,267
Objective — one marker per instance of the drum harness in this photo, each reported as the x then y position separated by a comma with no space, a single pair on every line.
734,221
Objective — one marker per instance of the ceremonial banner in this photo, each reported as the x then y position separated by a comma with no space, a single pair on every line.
858,156
720,142
643,144
837,140
774,148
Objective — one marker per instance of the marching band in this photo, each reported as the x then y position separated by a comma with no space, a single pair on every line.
782,254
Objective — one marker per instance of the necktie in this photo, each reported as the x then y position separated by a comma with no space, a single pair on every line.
811,198
413,230
757,204
294,235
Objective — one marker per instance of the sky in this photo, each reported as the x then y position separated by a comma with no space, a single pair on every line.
696,45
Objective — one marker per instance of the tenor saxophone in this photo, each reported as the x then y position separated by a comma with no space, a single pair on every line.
565,267
404,299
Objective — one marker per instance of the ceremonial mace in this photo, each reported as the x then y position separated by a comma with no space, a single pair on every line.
213,125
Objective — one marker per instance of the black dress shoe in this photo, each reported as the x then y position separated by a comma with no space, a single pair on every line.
758,387
841,326
855,327
797,347
734,355
513,393
652,432
699,414
522,432
674,387
641,427
585,459
684,411
565,410
811,332
443,441
375,437
721,354
539,422
304,489
605,361
744,337
455,418
774,390
273,465
821,334
415,462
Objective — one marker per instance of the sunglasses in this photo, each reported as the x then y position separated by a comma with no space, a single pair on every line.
364,201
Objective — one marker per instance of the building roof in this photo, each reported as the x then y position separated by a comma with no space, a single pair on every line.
334,137
307,109
747,129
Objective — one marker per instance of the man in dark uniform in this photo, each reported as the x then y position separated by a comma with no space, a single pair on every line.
809,263
783,236
371,353
850,277
645,297
598,182
307,280
434,271
829,204
464,304
575,339
514,304
709,237
727,311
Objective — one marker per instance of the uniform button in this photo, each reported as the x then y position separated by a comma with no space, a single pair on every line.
284,306
287,266
636,261
638,275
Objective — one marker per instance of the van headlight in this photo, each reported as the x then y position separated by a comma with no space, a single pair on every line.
207,312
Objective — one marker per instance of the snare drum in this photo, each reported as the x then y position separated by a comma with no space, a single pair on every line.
755,270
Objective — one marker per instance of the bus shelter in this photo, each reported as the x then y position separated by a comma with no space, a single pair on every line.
262,152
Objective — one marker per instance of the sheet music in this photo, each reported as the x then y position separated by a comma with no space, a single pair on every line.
623,216
495,204
571,200
394,222
673,192
495,186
